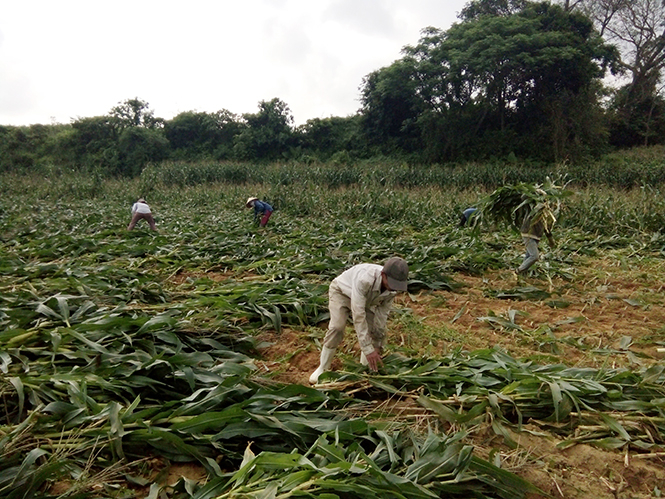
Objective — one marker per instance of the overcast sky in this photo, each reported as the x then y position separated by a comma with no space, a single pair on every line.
66,59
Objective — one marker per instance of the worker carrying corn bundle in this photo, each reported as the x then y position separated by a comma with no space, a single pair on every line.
537,222
365,292
531,209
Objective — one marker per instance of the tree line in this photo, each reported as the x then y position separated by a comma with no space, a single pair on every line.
511,78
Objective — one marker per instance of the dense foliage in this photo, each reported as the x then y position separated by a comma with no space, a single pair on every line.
116,346
511,79
521,83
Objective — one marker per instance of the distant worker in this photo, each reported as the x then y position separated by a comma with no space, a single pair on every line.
534,226
466,216
366,292
141,210
261,209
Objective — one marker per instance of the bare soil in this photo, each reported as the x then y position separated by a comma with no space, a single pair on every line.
610,314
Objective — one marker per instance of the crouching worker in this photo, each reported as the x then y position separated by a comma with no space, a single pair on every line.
261,209
141,211
467,215
366,292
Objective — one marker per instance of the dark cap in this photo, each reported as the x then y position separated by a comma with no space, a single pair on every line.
397,272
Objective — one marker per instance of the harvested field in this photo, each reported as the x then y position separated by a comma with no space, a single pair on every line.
175,363
604,306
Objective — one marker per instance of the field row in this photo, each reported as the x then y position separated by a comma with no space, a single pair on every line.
118,345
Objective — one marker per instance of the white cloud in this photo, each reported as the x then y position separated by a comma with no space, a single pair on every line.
16,98
76,58
369,17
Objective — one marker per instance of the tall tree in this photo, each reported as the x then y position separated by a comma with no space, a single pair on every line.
390,108
323,137
138,146
640,30
514,75
135,113
94,143
268,134
195,135
479,8
121,143
637,28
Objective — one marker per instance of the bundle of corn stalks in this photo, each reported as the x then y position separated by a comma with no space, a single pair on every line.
513,203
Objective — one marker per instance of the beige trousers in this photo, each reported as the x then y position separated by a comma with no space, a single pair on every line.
339,306
145,216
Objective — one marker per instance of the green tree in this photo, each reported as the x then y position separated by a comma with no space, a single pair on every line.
323,137
121,143
268,134
135,113
637,117
14,149
518,82
138,146
637,28
195,135
480,8
390,108
93,144
29,147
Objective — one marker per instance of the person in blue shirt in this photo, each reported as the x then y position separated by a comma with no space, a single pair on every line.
466,216
261,209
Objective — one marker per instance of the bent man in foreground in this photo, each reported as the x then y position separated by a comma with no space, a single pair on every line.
366,292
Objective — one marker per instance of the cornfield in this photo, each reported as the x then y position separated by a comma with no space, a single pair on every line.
120,346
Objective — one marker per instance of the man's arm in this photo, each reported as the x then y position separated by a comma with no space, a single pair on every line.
359,293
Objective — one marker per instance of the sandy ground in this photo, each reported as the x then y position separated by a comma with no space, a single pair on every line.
594,315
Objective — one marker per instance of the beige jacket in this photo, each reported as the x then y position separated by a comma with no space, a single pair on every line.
369,306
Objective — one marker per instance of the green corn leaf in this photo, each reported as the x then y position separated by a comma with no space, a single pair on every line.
17,383
616,427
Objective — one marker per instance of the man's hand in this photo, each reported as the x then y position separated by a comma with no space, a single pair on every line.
374,360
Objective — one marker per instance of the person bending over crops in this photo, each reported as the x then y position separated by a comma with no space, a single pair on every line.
366,292
262,210
536,223
141,211
466,216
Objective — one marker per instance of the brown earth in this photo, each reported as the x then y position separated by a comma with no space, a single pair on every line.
587,321
609,313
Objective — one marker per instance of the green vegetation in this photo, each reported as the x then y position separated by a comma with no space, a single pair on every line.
120,348
117,346
512,81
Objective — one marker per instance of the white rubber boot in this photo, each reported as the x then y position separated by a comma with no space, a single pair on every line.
327,355
363,359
